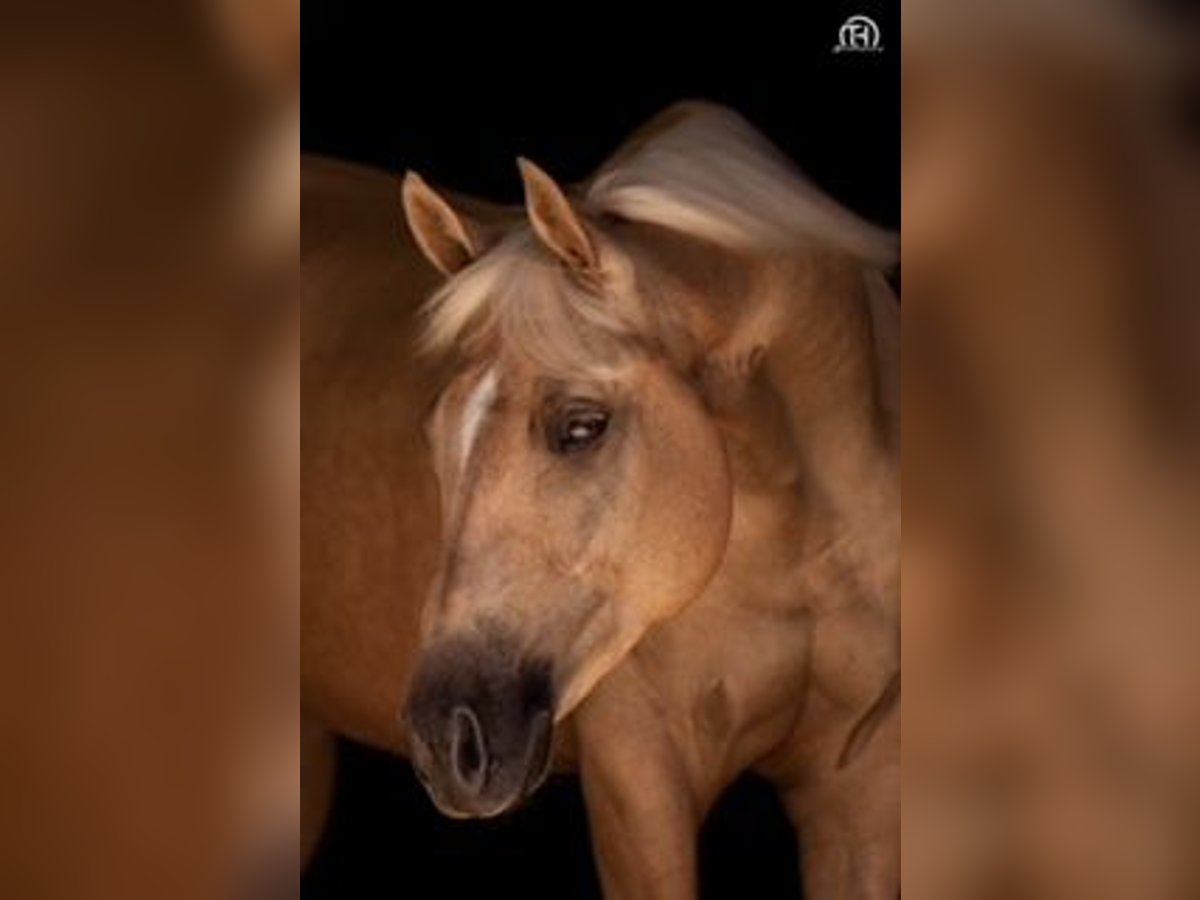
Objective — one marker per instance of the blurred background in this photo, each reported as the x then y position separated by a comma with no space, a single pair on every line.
458,101
149,464
1051,219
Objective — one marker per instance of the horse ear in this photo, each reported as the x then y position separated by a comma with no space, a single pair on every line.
555,220
448,239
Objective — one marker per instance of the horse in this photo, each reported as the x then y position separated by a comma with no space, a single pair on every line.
609,483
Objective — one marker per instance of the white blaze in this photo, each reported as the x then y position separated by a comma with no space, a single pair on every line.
475,411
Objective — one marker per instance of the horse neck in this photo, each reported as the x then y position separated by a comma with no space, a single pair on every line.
813,416
811,440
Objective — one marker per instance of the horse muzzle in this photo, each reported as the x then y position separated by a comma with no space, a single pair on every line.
480,726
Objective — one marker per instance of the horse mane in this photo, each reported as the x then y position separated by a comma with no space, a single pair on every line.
697,169
705,171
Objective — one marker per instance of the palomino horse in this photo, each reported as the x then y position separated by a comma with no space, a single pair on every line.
632,509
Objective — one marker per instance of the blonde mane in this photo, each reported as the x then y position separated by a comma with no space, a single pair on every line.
708,173
697,169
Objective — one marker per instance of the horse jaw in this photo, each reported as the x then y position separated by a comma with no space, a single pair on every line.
604,641
593,668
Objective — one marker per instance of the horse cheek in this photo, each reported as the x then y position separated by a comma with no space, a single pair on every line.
688,509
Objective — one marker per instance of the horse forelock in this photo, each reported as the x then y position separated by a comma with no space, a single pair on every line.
519,299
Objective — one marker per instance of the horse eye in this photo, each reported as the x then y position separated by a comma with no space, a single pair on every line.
577,430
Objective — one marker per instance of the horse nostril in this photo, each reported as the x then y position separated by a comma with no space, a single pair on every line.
468,755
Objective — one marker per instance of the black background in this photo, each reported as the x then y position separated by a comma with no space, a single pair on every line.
458,95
